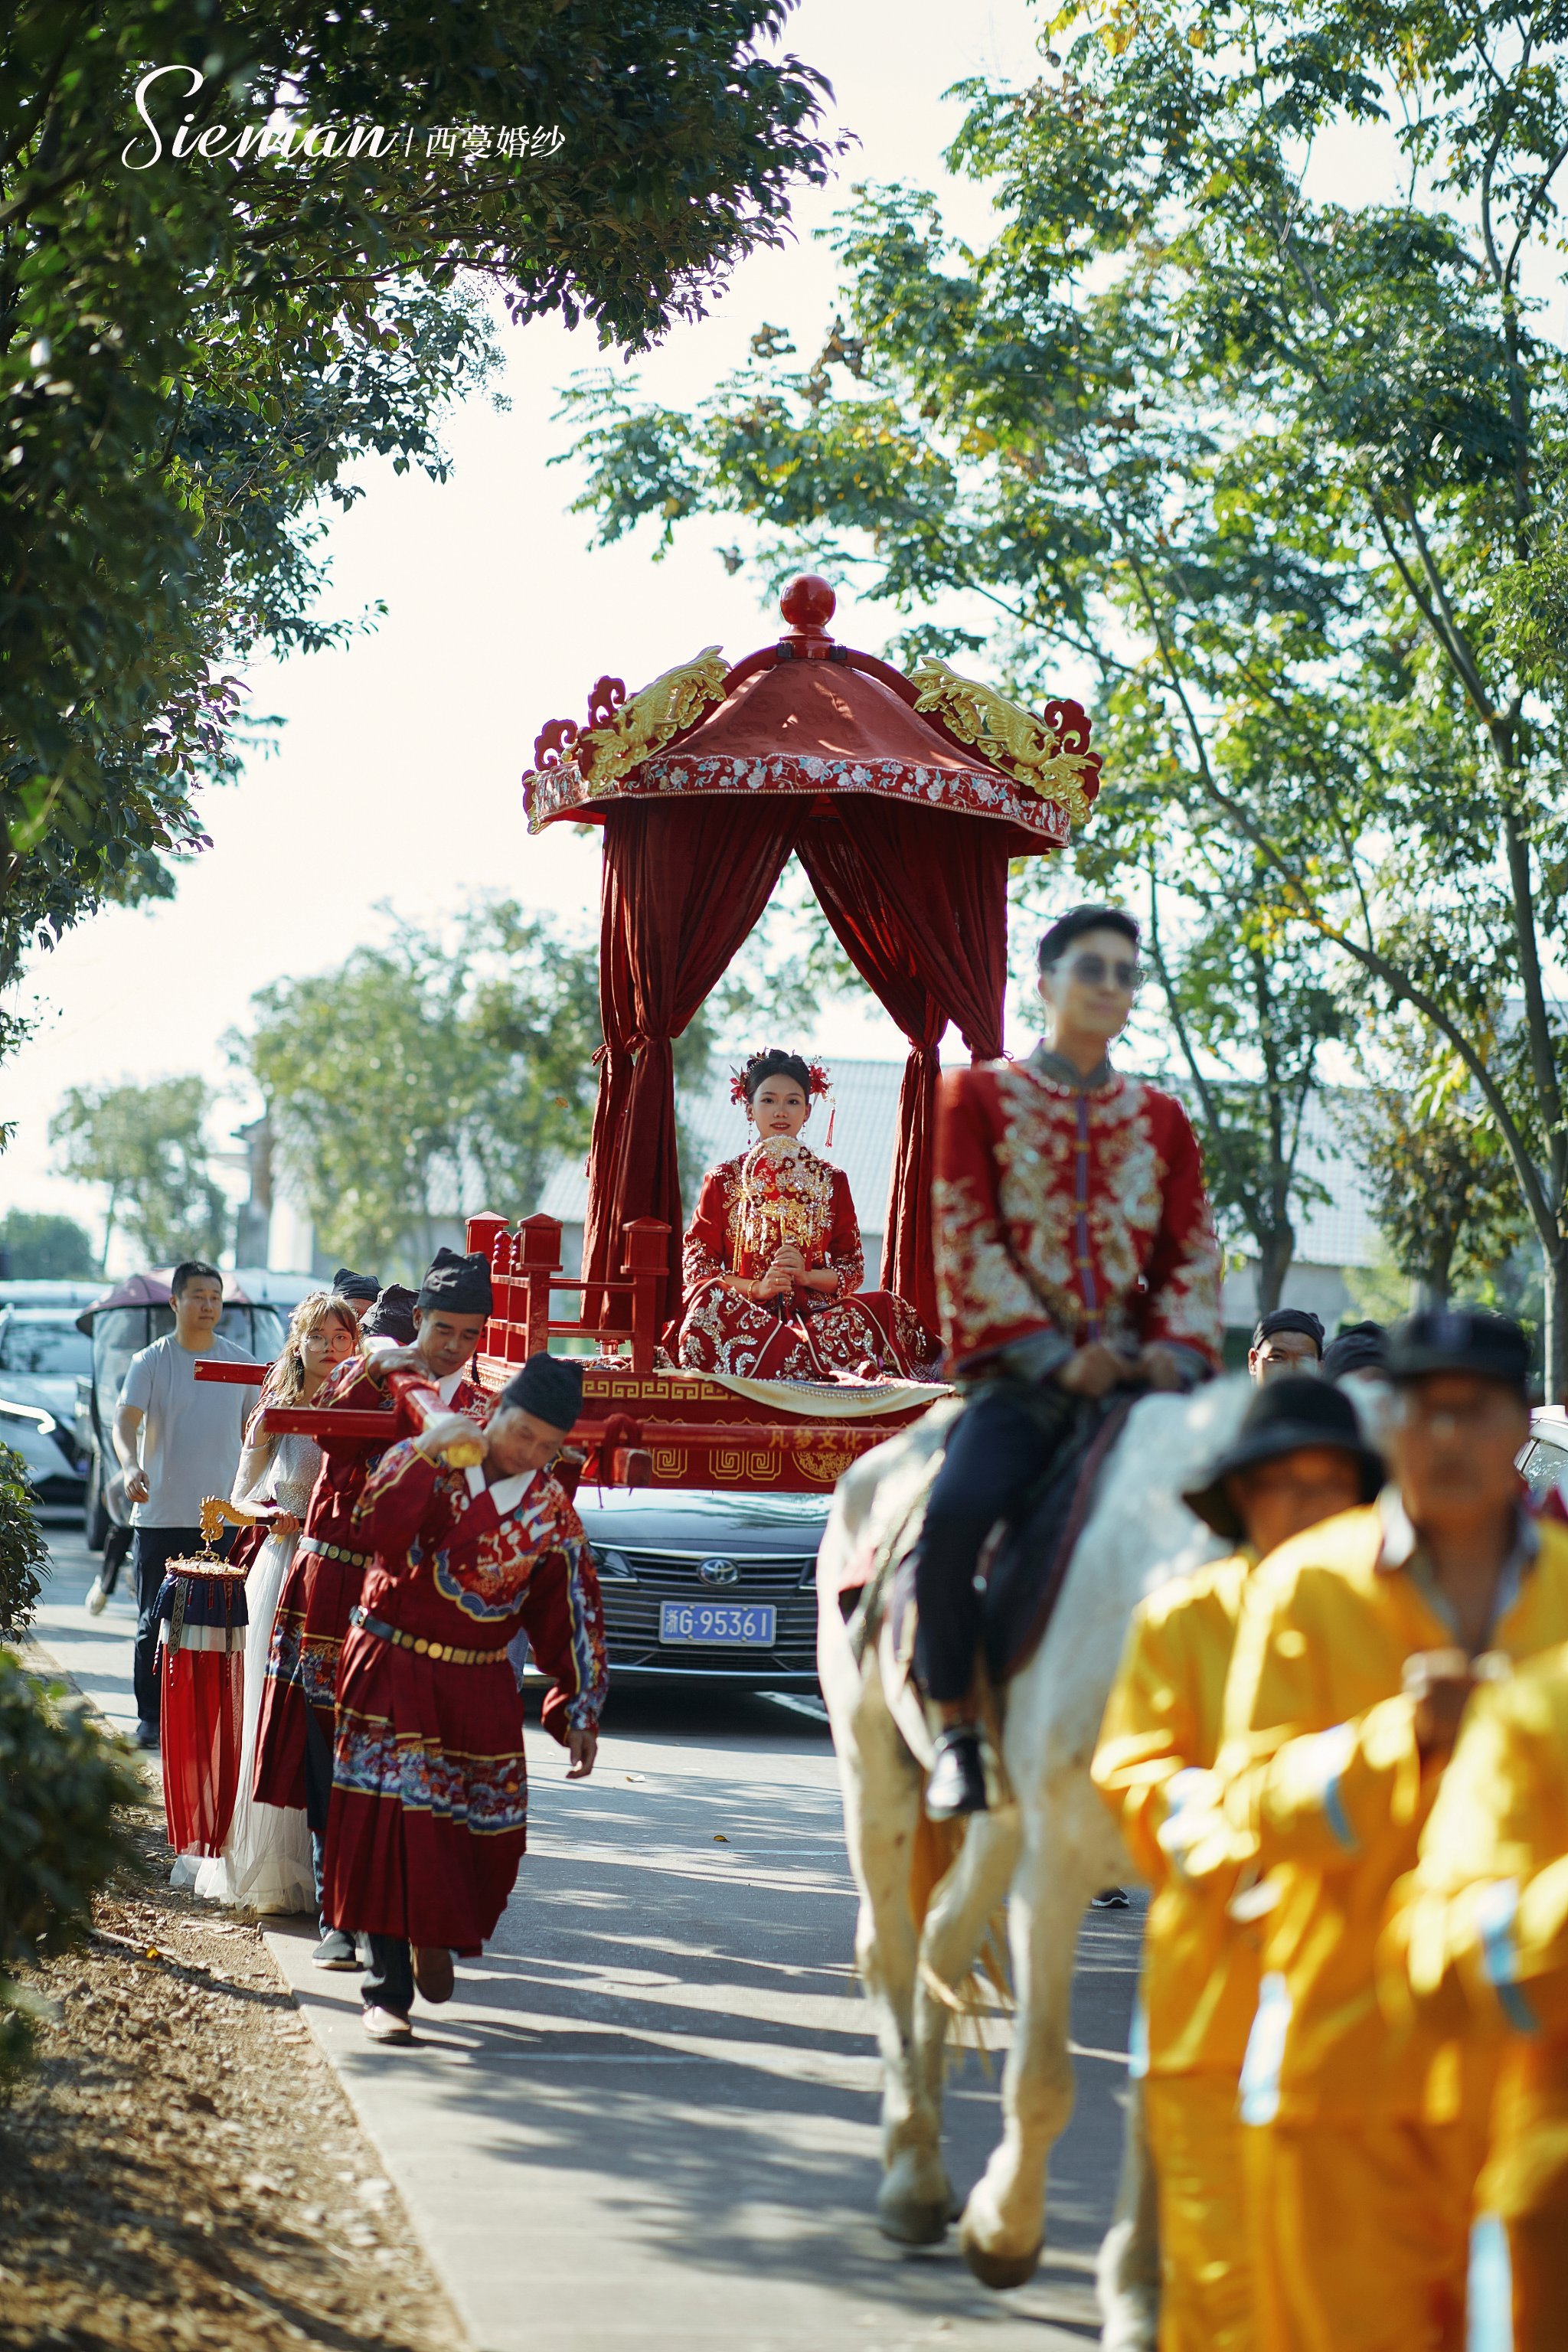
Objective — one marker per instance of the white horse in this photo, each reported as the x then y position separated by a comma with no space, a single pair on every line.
1045,1850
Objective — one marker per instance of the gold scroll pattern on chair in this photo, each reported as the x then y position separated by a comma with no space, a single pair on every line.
1055,764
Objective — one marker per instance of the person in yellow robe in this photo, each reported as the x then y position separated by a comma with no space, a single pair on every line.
1298,1458
1477,1942
1355,1659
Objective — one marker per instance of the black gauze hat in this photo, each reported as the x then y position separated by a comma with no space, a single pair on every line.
458,1285
1289,1319
1363,1349
1298,1411
1079,920
350,1285
392,1317
548,1387
1460,1339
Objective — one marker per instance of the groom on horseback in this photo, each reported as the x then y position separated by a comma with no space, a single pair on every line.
1075,1255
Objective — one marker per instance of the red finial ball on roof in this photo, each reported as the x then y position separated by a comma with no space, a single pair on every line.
807,605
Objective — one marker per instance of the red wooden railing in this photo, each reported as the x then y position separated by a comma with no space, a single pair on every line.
525,1267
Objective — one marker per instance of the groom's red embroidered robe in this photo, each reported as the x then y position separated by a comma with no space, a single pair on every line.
1080,1213
430,1804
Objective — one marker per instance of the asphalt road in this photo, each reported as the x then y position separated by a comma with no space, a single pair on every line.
649,2117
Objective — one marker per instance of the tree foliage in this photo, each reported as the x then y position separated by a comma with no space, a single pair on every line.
439,1075
147,1147
195,349
41,1247
1435,1169
451,1070
1282,476
62,1837
23,1551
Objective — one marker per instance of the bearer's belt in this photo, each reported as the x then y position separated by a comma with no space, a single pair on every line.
444,1654
334,1551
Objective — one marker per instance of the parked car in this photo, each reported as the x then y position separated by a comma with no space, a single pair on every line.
130,1316
42,1353
701,1587
1545,1459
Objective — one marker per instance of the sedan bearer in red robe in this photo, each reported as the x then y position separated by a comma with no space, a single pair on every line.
435,1335
1075,1253
429,1807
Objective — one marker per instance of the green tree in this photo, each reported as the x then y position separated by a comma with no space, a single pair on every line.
147,1145
23,1551
43,1248
449,1071
196,347
1284,475
1435,1169
426,1079
1244,996
64,1832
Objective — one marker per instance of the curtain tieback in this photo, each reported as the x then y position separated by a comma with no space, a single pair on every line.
631,1047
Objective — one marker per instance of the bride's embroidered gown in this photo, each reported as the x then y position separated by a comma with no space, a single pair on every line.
265,1861
781,1191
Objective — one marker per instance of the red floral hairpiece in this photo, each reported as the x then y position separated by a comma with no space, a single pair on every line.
816,1077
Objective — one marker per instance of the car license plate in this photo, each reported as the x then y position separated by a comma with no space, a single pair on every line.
737,1624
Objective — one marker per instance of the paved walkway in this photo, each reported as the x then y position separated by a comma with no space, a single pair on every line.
649,2119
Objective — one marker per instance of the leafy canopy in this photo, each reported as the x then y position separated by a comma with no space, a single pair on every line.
37,1246
1281,475
193,354
147,1147
427,1079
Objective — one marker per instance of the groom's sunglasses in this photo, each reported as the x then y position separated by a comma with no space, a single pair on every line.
1094,972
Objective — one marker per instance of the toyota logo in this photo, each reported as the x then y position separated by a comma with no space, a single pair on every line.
718,1572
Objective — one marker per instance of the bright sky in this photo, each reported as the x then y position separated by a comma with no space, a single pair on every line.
395,776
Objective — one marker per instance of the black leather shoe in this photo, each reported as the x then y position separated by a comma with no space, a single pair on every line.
957,1783
1111,1898
147,1737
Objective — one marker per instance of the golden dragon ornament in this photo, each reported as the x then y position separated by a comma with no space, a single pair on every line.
620,734
1055,764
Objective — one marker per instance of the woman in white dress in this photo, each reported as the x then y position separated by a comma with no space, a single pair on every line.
266,1860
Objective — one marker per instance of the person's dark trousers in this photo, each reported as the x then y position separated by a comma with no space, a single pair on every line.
388,1981
151,1552
1001,1443
117,1546
317,1800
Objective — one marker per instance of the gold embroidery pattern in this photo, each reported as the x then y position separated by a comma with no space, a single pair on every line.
1033,1270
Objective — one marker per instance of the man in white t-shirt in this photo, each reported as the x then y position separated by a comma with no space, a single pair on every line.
180,1440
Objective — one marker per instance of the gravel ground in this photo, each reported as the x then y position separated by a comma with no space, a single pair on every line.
181,2168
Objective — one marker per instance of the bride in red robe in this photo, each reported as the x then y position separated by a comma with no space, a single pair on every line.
772,1263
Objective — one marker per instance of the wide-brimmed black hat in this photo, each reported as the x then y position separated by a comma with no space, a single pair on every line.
1284,1416
1460,1339
456,1285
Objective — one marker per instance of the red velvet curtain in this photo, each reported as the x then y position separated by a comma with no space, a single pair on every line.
919,901
685,883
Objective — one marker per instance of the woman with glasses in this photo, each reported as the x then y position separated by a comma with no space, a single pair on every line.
1075,1255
